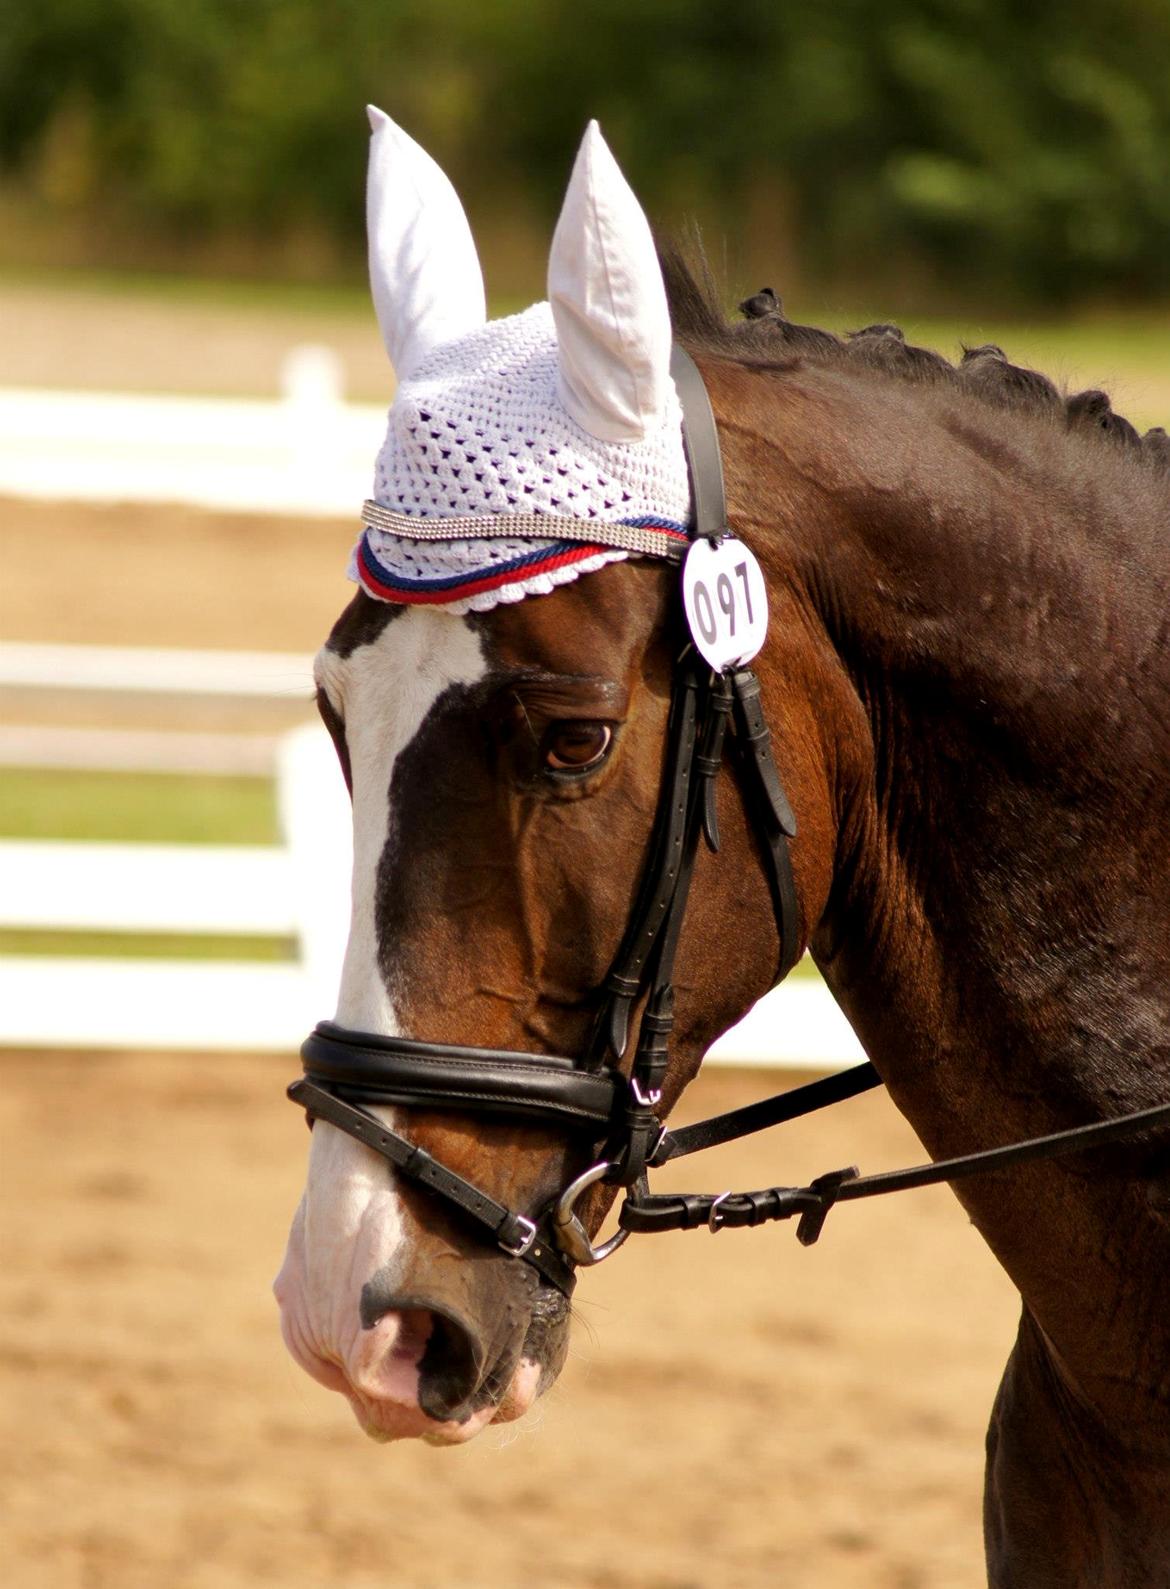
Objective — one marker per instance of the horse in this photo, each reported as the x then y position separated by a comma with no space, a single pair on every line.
967,682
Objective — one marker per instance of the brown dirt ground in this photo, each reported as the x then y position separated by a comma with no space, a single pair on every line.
736,1412
135,574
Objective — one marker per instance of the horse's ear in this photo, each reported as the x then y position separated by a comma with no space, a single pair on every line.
424,270
609,303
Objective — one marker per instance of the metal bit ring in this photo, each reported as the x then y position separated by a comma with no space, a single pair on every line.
572,1237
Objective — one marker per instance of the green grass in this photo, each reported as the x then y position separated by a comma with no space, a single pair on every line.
161,808
147,946
350,298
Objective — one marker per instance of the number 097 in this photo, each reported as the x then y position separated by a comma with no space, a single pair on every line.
726,596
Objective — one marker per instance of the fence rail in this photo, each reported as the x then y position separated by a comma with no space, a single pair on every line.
306,454
137,750
298,889
151,670
62,885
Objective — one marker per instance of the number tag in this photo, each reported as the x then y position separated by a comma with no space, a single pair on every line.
726,602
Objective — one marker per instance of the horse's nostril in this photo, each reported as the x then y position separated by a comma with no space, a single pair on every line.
449,1371
415,1326
379,1298
427,1341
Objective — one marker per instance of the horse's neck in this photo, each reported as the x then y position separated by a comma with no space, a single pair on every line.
998,933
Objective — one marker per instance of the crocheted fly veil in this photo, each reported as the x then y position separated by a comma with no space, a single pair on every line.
522,452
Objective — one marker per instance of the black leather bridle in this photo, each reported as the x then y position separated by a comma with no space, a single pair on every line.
609,1110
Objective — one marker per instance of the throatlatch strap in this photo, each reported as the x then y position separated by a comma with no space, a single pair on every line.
773,822
754,741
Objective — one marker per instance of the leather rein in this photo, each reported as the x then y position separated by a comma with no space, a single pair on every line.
609,1108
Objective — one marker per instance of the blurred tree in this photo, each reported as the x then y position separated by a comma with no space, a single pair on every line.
963,143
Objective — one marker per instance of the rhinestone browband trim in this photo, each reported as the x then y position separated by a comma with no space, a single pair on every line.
655,538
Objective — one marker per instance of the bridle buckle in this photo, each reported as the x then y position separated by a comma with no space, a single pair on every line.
643,1098
714,1217
527,1239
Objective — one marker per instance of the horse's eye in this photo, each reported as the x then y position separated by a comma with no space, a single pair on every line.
573,747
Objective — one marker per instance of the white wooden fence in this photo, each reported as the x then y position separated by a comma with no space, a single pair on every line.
307,452
298,890
290,891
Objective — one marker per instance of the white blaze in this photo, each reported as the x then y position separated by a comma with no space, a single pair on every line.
385,692
348,1227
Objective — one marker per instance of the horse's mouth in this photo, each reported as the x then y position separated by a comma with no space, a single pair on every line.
386,1421
383,1423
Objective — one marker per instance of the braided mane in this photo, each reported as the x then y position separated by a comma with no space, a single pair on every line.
766,338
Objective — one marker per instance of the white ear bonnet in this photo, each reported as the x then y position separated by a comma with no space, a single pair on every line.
562,422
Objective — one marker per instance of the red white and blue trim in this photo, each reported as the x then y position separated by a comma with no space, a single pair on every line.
553,553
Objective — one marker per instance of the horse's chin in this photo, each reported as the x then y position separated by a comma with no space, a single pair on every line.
385,1421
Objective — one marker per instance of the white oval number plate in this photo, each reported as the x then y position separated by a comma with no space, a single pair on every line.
726,602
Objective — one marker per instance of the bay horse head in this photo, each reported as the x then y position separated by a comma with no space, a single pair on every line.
502,722
967,676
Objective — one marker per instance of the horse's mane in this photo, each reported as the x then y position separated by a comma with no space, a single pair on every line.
765,338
